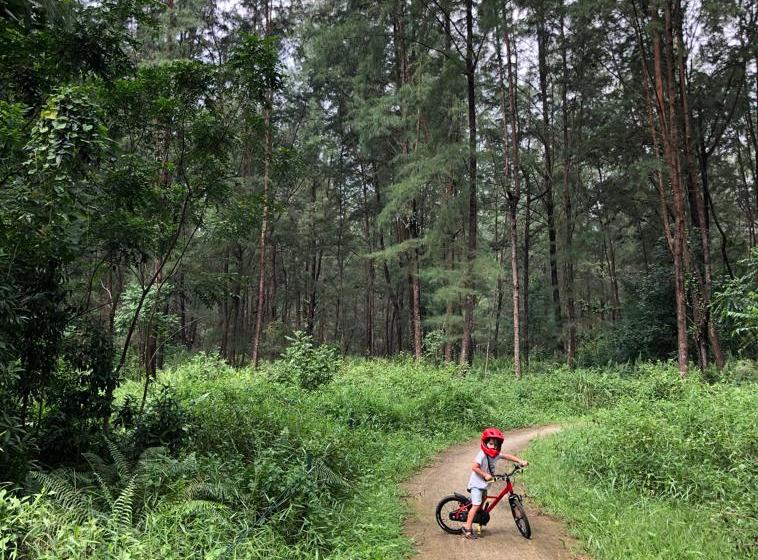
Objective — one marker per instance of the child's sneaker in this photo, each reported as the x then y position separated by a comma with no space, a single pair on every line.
469,534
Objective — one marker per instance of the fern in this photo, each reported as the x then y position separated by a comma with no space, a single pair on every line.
95,462
176,469
193,507
157,463
215,491
119,461
67,498
121,495
152,454
121,513
99,469
322,472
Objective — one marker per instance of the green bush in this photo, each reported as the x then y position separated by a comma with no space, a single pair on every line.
739,372
735,302
164,422
18,445
305,364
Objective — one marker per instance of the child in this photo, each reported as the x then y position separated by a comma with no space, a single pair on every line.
483,470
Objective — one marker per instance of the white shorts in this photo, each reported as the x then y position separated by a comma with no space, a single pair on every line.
478,495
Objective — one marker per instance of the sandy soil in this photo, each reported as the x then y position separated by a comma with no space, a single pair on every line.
448,472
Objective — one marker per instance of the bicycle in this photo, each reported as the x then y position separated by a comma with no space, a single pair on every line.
453,510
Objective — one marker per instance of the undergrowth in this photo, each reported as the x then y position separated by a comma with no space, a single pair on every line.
669,472
250,464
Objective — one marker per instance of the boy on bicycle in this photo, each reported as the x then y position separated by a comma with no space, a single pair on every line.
483,470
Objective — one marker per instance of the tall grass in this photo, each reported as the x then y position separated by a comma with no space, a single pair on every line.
669,472
313,472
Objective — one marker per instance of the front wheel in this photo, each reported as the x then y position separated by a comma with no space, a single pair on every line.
519,516
451,514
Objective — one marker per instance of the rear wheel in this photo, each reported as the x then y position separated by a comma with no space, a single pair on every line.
519,516
451,514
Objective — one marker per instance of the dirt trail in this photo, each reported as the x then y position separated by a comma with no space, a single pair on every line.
448,472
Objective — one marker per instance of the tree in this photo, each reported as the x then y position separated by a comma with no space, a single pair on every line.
511,172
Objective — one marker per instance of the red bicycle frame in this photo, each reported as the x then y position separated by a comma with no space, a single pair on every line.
489,506
504,492
464,507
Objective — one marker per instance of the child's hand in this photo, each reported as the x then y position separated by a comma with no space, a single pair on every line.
487,477
524,464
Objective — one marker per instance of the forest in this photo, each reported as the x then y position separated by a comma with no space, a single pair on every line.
243,242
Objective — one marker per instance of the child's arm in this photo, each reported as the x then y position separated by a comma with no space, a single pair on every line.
477,468
514,458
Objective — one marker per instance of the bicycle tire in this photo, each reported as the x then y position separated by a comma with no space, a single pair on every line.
520,518
445,507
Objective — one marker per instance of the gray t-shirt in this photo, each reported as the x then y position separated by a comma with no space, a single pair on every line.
487,464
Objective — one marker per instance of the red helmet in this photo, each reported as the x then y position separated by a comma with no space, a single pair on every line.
492,433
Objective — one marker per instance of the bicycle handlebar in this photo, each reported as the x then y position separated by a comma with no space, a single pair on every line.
504,476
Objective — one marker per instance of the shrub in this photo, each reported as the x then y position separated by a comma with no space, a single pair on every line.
165,422
305,364
735,302
18,517
204,366
739,372
17,442
434,342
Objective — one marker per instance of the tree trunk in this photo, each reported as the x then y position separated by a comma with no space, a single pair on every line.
312,269
542,47
402,67
525,296
451,194
260,309
416,307
274,284
182,304
315,269
415,285
238,317
392,297
337,333
225,309
613,277
151,334
298,309
512,195
749,215
450,263
467,347
370,274
702,223
568,209
667,113
500,282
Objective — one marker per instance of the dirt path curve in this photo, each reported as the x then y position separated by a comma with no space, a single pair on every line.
448,472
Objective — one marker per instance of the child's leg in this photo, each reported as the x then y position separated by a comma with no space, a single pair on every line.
471,515
477,498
